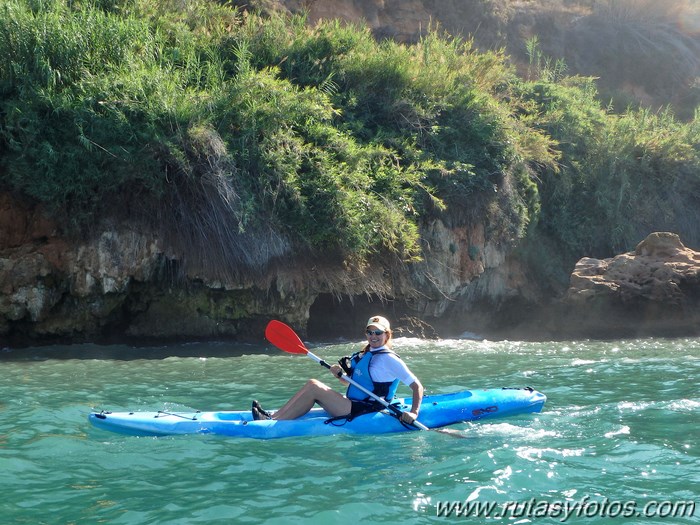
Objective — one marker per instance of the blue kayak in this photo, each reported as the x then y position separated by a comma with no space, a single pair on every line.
436,411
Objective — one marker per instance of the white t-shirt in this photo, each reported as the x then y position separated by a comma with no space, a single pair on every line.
384,368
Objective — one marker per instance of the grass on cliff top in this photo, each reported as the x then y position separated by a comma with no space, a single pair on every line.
244,138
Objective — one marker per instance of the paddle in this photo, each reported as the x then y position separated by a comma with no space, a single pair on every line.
286,339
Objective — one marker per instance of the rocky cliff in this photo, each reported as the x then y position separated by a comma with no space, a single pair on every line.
122,284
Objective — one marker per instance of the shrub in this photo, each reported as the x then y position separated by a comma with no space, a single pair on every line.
241,138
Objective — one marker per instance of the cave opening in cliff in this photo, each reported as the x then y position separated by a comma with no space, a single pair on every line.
332,317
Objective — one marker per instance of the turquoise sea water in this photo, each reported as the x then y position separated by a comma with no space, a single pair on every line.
618,438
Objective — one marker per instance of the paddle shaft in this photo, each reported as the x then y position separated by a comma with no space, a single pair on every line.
383,401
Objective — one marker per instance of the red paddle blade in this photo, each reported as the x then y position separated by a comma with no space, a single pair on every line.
284,338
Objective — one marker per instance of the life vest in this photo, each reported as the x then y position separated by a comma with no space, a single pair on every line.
359,372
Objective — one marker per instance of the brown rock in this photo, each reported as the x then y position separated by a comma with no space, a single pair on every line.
661,269
655,289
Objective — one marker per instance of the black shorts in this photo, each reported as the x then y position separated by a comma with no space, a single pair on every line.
365,407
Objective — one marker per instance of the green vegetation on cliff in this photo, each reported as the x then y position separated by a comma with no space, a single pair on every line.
247,137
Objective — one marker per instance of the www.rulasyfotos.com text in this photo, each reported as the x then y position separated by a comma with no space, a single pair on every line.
563,510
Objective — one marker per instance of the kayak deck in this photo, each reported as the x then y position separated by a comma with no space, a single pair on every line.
436,411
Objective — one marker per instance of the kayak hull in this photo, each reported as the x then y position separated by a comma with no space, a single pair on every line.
436,411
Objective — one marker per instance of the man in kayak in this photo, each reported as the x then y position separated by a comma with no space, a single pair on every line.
376,368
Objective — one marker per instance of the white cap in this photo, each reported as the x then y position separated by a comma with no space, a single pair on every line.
380,322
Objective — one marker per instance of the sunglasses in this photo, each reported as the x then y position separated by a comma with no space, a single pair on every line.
375,332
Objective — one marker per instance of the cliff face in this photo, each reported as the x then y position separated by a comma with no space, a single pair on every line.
122,283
